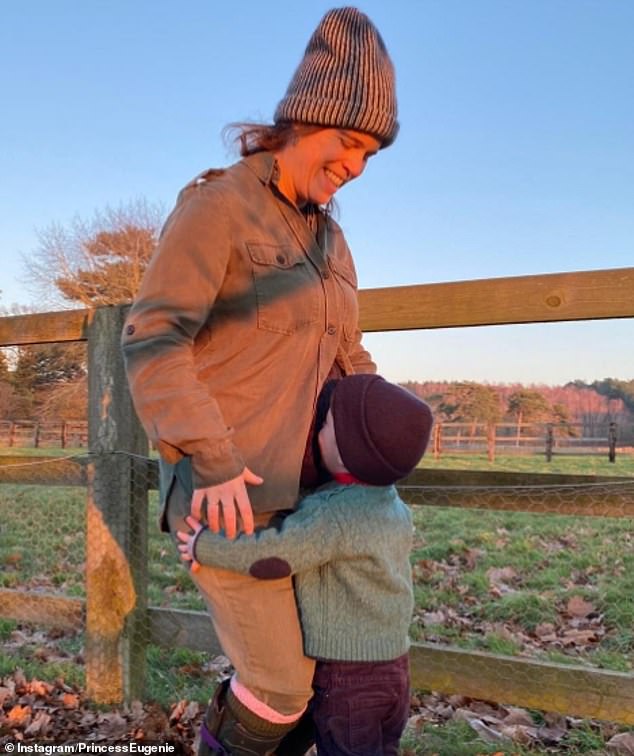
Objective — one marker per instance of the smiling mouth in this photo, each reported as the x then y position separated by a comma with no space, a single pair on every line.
334,178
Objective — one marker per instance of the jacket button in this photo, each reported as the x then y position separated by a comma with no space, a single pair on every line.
130,330
281,259
325,274
332,329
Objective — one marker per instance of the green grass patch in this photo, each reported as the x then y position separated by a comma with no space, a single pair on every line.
455,738
582,464
178,674
505,574
69,671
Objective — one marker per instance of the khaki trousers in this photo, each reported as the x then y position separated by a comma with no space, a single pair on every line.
257,624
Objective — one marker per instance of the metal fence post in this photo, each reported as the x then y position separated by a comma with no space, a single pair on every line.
116,523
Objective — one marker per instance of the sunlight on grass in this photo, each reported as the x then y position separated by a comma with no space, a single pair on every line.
585,464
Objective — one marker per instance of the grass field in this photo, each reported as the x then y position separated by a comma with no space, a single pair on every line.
589,464
546,586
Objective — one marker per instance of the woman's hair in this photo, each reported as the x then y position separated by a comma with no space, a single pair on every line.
270,137
265,137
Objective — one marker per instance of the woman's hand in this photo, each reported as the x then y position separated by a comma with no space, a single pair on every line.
187,541
228,500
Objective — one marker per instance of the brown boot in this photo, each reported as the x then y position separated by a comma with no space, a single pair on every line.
231,729
298,740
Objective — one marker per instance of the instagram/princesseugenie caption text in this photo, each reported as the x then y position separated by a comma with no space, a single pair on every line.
48,749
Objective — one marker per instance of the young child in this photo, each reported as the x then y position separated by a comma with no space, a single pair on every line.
348,547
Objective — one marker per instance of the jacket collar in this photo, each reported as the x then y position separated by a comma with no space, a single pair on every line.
264,165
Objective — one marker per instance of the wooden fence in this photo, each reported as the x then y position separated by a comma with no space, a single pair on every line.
60,434
119,622
452,438
527,438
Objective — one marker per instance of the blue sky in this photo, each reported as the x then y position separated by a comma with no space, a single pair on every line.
516,151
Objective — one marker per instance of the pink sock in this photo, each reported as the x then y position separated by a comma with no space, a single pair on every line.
258,707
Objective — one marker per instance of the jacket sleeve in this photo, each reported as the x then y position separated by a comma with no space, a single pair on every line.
358,357
308,538
176,297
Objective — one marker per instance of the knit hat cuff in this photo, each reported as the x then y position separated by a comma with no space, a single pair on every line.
338,114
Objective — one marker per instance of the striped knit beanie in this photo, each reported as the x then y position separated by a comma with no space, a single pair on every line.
345,79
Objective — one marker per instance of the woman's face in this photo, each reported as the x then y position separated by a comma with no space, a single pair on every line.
315,165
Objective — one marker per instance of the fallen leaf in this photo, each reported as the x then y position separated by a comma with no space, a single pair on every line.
191,711
551,734
471,557
5,693
623,743
39,688
70,701
457,700
433,618
19,679
39,725
88,718
415,723
177,711
519,717
519,733
463,715
485,732
483,709
114,725
499,579
136,710
18,715
579,607
544,628
578,637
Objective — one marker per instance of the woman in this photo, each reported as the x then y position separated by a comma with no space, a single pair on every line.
246,308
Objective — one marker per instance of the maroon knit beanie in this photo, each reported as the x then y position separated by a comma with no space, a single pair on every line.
382,430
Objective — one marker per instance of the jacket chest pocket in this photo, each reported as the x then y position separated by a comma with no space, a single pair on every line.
287,288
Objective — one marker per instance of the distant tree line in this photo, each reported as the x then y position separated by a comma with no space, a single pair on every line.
577,408
101,261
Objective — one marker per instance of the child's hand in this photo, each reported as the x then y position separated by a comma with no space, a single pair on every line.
186,547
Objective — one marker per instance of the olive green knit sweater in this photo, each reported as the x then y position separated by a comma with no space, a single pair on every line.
348,547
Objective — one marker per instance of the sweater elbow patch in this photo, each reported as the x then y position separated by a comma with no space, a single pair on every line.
272,568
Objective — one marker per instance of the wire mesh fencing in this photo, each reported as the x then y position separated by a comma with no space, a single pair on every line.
524,593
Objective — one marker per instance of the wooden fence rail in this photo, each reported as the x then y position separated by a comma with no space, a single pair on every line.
44,433
447,437
115,615
472,438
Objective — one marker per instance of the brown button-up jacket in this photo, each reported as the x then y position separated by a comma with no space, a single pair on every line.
241,315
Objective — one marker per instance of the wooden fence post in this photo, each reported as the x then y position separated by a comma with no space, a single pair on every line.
491,433
550,440
612,442
437,440
116,522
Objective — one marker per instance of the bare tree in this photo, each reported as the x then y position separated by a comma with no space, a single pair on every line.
95,262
